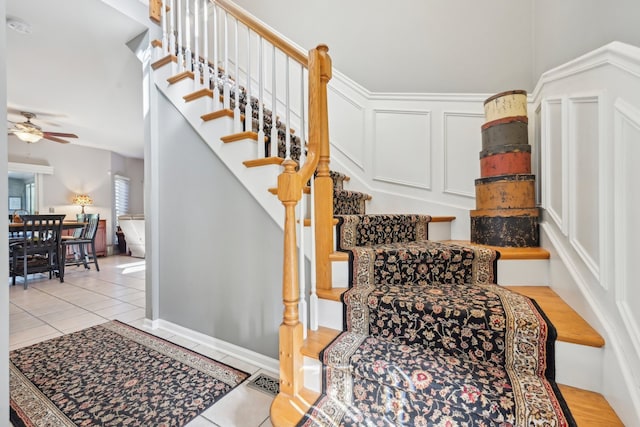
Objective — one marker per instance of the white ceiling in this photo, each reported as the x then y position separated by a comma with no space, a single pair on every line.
76,73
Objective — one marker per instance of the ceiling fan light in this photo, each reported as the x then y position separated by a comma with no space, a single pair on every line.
28,136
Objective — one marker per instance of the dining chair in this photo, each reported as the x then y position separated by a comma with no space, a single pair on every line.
38,250
84,246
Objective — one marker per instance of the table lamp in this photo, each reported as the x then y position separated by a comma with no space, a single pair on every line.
82,200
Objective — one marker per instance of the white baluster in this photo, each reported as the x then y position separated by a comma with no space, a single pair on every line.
180,47
163,20
274,128
248,109
302,304
261,71
172,35
287,113
187,51
196,46
302,112
206,76
237,120
216,88
313,296
303,214
227,102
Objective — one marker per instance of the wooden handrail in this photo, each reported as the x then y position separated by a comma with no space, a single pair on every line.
256,26
155,7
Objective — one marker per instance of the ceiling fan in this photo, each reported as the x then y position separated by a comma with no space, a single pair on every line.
30,132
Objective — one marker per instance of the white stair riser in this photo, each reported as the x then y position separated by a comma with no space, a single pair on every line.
514,272
312,369
579,365
340,274
330,314
439,231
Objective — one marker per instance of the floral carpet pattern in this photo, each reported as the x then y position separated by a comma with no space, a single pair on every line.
430,340
114,375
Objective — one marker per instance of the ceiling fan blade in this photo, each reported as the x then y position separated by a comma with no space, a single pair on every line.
55,139
64,135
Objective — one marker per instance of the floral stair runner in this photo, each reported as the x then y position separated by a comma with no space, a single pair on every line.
430,340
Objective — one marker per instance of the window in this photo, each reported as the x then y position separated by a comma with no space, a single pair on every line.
30,190
120,199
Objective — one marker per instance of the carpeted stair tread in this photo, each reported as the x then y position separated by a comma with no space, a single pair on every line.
589,409
421,262
349,202
381,368
338,179
381,379
462,319
376,229
513,253
570,325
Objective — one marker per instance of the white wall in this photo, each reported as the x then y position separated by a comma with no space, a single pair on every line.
413,46
567,29
454,46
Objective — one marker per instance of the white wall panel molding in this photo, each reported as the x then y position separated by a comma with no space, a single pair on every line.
554,146
621,55
347,126
584,184
402,147
537,151
462,142
430,97
627,210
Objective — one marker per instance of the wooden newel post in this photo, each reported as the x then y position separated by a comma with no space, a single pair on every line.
323,197
291,333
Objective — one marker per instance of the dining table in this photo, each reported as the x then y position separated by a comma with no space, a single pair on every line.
15,227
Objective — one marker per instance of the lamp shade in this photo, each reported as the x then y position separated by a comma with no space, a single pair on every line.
82,200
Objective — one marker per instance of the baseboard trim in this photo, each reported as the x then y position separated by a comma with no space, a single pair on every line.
241,353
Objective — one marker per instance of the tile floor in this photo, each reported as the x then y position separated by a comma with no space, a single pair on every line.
49,309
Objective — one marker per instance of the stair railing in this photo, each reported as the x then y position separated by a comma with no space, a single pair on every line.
245,82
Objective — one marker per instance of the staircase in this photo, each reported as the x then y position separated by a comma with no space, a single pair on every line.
523,271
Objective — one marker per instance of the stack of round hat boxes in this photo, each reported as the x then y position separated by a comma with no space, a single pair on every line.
506,213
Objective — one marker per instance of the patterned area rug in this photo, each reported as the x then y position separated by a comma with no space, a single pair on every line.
431,341
114,375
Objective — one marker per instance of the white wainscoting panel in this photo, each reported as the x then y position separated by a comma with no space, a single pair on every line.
402,147
584,132
462,140
627,212
347,126
537,152
555,159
